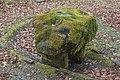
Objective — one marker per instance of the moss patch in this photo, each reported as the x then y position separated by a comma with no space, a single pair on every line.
10,31
104,60
51,71
22,57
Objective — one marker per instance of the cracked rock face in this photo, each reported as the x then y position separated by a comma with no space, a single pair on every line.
62,34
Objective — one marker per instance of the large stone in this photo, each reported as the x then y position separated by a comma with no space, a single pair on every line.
62,34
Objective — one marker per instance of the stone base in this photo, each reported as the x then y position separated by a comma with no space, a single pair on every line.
59,61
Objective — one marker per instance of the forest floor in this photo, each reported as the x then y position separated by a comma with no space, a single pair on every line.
107,39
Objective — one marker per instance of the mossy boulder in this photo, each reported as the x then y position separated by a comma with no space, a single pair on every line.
62,34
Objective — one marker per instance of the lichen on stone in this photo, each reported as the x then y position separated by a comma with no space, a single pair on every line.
64,31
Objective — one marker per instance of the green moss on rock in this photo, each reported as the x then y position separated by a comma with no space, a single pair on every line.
104,60
63,31
50,72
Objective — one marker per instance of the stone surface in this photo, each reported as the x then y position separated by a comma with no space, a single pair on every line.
62,34
29,61
41,0
117,62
